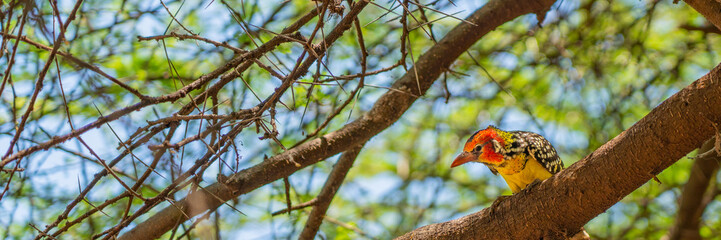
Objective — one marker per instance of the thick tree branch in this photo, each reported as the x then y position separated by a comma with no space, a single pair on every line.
710,9
562,204
384,113
691,207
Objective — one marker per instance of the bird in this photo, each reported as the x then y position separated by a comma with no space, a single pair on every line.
520,157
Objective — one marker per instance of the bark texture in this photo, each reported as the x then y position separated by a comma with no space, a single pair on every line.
564,203
708,8
386,111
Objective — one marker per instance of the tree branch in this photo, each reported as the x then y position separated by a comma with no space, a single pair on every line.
335,179
711,10
562,204
690,207
312,202
387,110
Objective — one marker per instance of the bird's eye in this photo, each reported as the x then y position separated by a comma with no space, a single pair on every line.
478,148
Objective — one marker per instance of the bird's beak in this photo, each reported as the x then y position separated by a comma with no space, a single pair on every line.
462,158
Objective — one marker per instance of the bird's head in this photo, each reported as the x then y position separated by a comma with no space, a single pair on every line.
487,146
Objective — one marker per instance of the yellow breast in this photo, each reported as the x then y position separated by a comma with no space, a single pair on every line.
518,177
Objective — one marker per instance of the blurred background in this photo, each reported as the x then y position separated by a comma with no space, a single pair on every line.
590,70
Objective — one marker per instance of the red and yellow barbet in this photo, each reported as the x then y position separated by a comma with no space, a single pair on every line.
520,157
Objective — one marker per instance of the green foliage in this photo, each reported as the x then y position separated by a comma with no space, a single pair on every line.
593,69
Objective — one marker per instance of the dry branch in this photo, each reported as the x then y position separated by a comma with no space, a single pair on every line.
235,64
201,81
77,61
384,113
564,203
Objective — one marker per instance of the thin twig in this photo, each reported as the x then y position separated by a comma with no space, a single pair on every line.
297,207
39,83
174,19
80,63
196,37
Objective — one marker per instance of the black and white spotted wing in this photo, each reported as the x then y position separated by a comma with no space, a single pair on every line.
542,150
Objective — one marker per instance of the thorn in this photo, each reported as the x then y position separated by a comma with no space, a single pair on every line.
657,180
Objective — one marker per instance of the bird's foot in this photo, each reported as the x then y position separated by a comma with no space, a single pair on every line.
500,199
497,202
532,185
